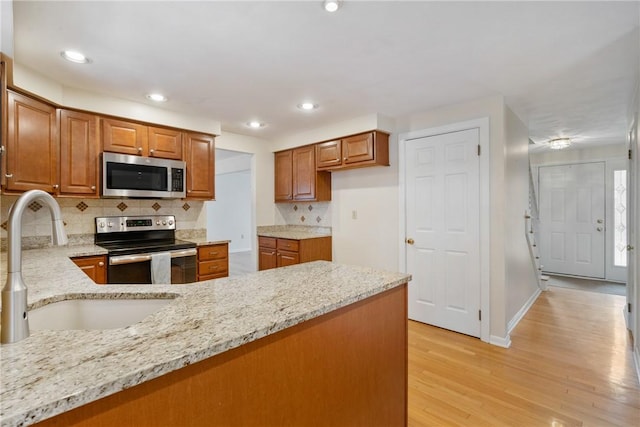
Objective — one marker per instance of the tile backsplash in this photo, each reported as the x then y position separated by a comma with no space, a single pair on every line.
79,214
304,213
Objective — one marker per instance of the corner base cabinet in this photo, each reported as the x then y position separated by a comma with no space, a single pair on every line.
277,252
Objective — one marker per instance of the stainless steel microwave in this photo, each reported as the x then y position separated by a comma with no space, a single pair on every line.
135,176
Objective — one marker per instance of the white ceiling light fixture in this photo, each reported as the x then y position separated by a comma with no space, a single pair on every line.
256,124
331,5
559,143
157,97
75,56
307,106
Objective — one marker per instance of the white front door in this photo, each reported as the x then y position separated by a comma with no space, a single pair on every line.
572,219
443,220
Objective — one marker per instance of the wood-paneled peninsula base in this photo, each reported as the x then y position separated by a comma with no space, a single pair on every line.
345,368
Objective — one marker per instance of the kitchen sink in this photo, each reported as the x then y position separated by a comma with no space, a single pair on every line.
92,314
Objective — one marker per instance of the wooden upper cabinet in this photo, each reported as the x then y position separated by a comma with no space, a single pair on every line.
304,173
358,148
329,154
200,158
366,149
79,154
296,178
124,137
284,176
32,145
121,136
165,143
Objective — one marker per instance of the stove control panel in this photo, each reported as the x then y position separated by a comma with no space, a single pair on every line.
117,224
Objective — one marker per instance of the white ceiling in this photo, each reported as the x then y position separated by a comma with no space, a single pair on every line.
566,68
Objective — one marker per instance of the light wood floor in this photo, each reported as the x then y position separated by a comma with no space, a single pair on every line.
569,364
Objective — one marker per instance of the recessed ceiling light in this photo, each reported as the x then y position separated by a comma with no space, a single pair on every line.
74,56
307,106
256,125
559,143
331,5
157,97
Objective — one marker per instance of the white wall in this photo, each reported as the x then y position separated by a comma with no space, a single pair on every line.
520,275
229,217
32,81
6,28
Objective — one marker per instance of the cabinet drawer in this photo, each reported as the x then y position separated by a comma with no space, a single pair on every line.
213,276
215,266
213,252
288,245
267,242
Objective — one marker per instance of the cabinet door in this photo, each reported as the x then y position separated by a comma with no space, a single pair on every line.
267,258
78,153
32,145
329,154
165,143
358,148
288,258
304,173
200,150
94,267
283,176
119,136
3,118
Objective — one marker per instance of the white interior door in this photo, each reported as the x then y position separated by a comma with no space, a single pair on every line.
572,219
443,221
633,191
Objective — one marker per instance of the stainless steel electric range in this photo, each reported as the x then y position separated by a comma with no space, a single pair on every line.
131,241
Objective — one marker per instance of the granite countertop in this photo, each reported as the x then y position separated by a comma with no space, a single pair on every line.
295,232
51,372
203,241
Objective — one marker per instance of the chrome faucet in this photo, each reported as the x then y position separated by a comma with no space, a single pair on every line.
15,324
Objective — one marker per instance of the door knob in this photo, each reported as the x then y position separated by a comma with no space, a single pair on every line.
410,241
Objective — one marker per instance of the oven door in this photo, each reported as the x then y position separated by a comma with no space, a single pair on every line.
136,268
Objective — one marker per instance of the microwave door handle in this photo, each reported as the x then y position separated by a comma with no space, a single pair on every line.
130,259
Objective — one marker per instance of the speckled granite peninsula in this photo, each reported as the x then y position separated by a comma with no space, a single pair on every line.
339,313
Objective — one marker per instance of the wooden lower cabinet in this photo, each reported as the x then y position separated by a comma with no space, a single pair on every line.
277,252
94,266
213,261
346,367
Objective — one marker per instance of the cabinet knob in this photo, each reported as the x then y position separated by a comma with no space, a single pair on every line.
151,152
8,175
93,187
101,264
139,149
55,186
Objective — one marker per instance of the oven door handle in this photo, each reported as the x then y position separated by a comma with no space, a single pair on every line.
130,259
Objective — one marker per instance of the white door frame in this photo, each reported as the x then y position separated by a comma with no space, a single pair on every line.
482,124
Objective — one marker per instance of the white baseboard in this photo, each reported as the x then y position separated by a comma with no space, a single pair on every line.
520,314
500,341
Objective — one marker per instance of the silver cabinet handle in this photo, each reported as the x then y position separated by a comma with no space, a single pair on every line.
130,259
